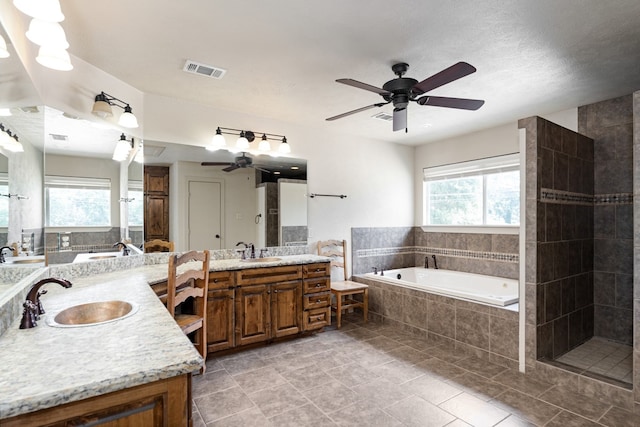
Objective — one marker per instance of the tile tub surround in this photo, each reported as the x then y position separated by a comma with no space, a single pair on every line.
489,332
399,247
40,365
636,246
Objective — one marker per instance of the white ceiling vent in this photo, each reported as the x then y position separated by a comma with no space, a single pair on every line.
152,150
383,116
203,69
57,137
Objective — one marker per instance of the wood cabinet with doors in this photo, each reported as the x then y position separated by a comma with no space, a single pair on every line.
156,202
268,303
160,403
220,311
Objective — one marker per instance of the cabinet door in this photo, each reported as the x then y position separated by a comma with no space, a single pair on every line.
220,319
252,314
156,180
286,308
156,217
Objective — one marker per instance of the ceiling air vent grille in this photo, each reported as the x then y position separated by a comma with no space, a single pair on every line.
383,116
203,69
57,137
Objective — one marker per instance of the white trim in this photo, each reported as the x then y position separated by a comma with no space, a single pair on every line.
472,229
96,229
488,165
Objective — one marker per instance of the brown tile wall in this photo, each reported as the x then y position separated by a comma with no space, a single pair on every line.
610,125
489,332
636,247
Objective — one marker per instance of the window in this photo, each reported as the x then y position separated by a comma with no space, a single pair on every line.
136,204
77,202
480,192
4,200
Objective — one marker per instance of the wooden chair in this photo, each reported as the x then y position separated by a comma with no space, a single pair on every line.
190,282
345,290
158,245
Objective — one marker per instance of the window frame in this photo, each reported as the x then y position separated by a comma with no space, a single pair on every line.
479,167
4,180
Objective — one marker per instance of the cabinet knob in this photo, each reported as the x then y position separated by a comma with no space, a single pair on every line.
318,285
318,301
215,280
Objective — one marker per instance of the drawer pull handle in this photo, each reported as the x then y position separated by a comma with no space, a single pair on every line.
215,280
318,301
318,285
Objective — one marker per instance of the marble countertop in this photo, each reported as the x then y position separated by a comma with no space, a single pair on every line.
48,366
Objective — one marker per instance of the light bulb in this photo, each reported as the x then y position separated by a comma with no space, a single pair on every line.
284,146
264,144
242,143
217,141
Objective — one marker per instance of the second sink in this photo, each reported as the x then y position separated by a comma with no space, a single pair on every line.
94,313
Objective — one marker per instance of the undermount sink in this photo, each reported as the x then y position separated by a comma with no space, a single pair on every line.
94,313
267,259
102,256
27,261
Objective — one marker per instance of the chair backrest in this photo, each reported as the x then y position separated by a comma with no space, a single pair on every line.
183,283
336,250
157,245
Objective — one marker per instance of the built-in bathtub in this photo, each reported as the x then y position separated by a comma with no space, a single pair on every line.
452,308
469,286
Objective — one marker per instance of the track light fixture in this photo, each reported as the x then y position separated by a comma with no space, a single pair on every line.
123,148
9,140
102,108
245,138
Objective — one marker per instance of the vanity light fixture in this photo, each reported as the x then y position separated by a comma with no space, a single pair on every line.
9,141
123,148
102,108
139,158
46,10
245,138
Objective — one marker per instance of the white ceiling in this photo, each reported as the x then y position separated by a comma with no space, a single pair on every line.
283,56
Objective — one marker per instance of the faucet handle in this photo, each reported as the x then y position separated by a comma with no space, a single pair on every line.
263,252
28,315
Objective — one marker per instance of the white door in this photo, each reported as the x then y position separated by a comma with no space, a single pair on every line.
205,207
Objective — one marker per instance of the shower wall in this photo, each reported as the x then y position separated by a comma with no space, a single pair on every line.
610,125
559,239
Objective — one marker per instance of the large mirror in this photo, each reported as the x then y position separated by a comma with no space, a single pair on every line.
219,198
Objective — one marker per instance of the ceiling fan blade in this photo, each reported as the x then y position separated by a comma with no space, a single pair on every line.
232,167
445,76
360,85
461,103
261,169
215,163
399,119
348,113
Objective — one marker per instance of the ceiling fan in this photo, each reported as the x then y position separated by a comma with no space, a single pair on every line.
240,162
400,91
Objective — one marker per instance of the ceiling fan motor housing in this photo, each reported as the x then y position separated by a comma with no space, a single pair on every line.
400,89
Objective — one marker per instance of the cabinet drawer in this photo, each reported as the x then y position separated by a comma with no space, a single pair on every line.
256,276
314,286
316,318
220,279
317,300
317,270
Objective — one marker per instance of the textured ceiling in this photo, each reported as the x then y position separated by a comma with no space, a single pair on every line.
283,56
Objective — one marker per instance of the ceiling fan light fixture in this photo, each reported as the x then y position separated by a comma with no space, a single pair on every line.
46,10
4,52
284,147
127,119
217,142
242,143
56,59
264,144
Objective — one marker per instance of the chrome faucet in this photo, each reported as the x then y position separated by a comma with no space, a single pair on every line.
435,262
125,248
33,308
426,261
2,260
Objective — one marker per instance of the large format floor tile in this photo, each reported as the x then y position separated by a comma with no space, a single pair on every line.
370,374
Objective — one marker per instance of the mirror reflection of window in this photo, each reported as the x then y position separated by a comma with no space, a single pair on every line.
136,205
77,202
4,200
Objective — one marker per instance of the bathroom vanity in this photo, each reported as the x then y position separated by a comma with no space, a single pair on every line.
137,370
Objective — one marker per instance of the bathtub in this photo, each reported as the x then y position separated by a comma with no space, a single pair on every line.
475,287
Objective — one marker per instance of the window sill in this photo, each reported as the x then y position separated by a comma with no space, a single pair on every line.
96,229
472,229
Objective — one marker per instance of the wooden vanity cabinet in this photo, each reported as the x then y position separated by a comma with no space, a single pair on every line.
160,403
316,296
220,311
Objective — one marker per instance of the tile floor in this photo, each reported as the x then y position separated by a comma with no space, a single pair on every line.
603,357
375,375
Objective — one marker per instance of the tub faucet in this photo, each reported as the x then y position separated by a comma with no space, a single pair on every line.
2,260
375,270
426,261
33,306
435,262
125,249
